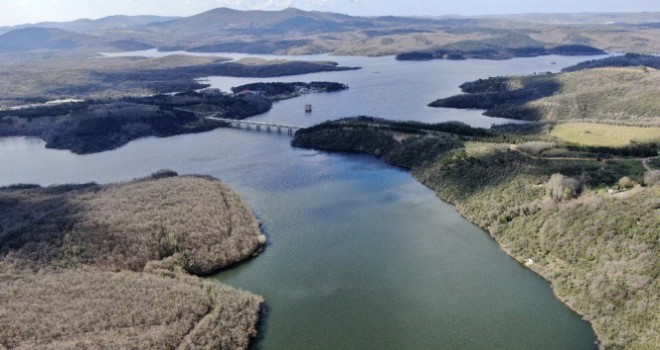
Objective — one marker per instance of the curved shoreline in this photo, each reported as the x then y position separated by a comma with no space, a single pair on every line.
119,250
518,209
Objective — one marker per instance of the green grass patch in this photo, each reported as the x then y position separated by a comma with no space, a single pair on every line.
592,134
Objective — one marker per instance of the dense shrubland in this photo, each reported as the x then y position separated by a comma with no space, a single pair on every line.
598,250
627,60
107,266
94,126
505,46
142,221
123,310
396,143
276,89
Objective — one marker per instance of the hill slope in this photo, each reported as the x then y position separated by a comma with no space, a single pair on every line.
293,31
34,38
91,25
630,94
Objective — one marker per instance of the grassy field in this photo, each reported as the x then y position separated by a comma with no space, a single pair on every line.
604,134
108,266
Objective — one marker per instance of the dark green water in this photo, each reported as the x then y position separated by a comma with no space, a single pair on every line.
360,255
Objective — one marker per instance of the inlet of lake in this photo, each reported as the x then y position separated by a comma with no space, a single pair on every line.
360,255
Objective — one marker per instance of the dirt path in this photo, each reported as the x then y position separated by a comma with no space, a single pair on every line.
643,160
646,161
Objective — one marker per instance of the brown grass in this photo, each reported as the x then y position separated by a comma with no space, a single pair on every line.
604,134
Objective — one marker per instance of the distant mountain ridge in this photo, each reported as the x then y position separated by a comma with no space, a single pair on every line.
33,38
89,25
584,18
296,32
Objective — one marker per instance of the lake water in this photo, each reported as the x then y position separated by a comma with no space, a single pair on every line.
387,88
360,255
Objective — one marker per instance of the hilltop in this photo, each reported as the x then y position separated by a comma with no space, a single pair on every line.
34,38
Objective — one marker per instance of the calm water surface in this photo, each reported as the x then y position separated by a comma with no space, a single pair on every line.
360,255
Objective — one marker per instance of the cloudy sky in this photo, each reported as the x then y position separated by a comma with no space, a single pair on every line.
29,11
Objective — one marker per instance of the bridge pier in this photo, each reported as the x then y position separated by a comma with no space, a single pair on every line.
247,126
258,127
268,129
279,130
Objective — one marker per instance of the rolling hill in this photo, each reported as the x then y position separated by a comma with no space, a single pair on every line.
622,94
86,25
295,32
34,38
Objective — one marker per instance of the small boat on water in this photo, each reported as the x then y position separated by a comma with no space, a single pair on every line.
308,108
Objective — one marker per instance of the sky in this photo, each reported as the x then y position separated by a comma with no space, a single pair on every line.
14,12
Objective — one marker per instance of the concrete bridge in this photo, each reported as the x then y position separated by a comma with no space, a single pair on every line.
259,126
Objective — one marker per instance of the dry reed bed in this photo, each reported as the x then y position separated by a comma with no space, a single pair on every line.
72,261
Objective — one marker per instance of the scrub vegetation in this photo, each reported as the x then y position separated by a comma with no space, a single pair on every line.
110,266
589,225
100,125
620,94
66,75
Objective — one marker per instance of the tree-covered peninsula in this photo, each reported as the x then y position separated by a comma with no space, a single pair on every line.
112,266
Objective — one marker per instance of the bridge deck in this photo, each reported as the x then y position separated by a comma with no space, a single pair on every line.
252,122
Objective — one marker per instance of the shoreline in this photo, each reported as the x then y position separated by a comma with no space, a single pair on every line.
143,251
520,261
573,241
